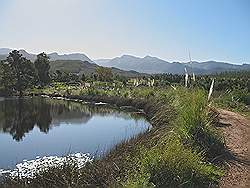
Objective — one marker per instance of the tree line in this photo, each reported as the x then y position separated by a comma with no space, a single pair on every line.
17,73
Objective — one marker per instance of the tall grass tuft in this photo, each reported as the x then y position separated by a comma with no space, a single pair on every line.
211,90
186,77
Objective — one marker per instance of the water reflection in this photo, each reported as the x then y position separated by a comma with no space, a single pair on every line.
19,116
33,127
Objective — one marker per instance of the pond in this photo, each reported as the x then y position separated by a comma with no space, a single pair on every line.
32,127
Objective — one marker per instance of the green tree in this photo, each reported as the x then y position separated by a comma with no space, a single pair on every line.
83,77
6,78
104,73
22,70
42,66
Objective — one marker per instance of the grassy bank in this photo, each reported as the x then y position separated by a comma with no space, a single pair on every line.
181,150
235,100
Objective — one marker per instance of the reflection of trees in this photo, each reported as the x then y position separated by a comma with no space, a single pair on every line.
100,110
19,116
43,116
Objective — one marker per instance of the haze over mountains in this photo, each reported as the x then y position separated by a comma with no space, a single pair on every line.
77,62
53,56
153,65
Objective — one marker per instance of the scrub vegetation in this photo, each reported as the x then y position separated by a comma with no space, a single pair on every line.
182,149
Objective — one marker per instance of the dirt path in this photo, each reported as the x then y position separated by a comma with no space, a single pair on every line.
236,133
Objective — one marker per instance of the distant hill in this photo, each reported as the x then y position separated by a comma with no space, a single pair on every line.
73,66
2,57
153,65
217,67
102,62
75,63
73,56
147,64
53,56
80,67
132,64
4,51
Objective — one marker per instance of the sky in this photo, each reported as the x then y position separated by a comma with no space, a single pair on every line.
168,29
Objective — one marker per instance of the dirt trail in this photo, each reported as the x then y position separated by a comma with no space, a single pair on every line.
236,133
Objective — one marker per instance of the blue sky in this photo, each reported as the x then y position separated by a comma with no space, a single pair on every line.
210,29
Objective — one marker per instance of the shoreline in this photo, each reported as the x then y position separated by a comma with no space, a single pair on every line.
116,164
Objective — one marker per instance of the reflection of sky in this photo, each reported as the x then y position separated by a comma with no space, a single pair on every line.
95,135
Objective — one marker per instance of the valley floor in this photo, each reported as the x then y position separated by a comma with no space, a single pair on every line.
236,130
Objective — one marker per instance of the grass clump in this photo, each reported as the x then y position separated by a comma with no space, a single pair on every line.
181,152
195,123
235,100
170,164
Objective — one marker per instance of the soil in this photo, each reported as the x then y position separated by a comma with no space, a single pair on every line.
236,133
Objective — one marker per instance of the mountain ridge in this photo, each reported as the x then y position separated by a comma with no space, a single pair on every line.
53,56
154,65
147,64
71,63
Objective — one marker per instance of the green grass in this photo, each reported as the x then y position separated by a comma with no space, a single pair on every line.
178,151
235,100
170,164
180,154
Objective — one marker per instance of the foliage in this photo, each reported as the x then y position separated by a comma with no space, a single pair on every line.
104,73
6,79
180,149
170,164
83,77
236,100
42,66
21,72
226,81
167,79
176,152
66,77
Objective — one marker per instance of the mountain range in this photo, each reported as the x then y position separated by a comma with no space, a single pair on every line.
53,56
152,65
75,63
80,63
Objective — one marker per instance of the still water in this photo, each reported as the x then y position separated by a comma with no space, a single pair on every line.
32,127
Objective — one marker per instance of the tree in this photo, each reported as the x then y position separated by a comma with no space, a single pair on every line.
104,73
42,66
22,70
62,76
72,77
83,77
6,78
